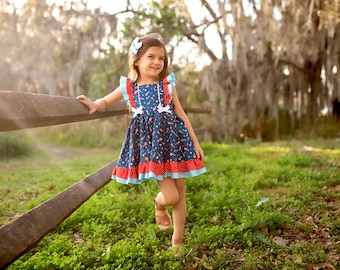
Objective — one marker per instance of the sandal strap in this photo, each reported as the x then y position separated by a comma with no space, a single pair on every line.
160,208
178,241
157,206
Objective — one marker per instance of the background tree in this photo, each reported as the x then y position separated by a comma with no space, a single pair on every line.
274,64
284,61
47,47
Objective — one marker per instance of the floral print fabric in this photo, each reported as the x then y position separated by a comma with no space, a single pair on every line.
157,144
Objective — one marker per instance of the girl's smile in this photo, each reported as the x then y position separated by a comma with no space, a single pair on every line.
150,65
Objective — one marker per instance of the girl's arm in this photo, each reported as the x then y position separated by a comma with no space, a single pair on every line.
102,103
181,113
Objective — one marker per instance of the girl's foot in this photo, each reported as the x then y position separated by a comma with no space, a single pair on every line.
163,218
177,243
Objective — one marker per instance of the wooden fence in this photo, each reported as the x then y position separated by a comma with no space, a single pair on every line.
20,110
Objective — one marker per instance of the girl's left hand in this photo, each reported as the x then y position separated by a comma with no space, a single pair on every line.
92,106
199,152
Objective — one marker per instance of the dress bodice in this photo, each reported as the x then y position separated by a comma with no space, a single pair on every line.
149,98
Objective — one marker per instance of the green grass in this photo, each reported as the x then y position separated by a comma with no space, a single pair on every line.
259,206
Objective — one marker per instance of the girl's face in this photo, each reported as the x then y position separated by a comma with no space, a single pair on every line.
151,63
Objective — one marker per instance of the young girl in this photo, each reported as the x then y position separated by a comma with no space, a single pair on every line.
160,143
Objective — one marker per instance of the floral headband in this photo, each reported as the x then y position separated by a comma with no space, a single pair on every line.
135,46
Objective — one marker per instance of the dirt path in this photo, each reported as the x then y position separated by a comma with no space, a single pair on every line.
61,151
43,153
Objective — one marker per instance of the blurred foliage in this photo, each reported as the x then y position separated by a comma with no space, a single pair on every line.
14,144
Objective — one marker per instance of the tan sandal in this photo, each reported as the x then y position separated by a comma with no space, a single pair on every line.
177,243
163,218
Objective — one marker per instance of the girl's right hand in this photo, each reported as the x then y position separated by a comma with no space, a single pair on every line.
92,106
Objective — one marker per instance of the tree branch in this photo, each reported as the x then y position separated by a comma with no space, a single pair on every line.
291,63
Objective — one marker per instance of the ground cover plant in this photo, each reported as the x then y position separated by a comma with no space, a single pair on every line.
260,206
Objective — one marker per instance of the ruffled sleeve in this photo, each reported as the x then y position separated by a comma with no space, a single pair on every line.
126,88
171,78
168,83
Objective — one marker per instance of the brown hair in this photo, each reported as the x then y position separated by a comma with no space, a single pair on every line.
151,40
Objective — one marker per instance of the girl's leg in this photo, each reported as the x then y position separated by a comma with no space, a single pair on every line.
173,193
179,213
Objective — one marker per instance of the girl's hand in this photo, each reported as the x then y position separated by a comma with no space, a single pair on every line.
199,152
92,106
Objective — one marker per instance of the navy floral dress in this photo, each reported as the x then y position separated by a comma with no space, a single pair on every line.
157,143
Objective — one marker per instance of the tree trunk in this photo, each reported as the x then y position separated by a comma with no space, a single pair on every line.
315,89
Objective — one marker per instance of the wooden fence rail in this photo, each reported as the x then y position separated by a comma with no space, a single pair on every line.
20,110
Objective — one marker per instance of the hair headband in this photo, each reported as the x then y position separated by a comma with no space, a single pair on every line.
135,46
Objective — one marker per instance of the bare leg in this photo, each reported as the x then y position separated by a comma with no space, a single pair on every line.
173,193
179,212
